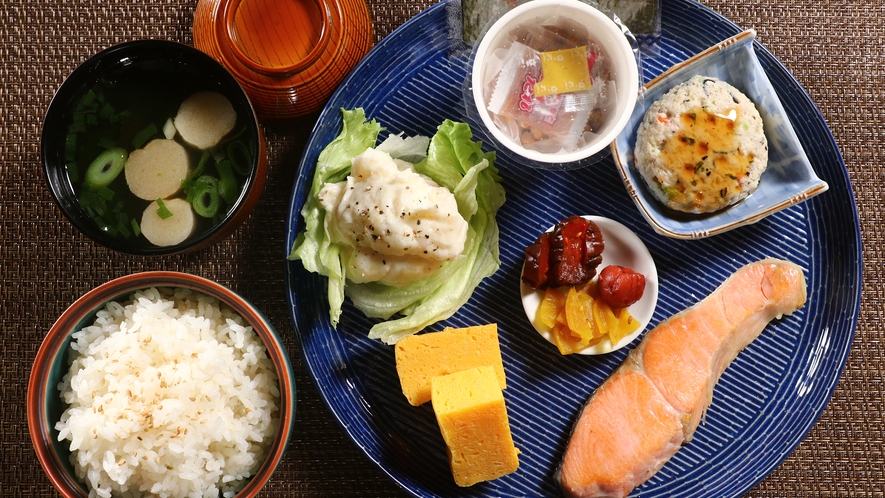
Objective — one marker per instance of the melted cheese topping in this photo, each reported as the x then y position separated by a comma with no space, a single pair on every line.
397,226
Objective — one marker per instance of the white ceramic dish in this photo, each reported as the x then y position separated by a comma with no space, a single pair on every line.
789,178
622,248
604,30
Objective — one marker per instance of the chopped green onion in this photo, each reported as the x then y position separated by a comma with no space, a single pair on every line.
239,133
99,99
122,225
91,119
191,184
106,143
116,118
227,184
163,212
105,193
97,209
105,168
169,130
201,165
240,157
70,146
90,199
144,135
204,198
217,154
77,127
88,99
106,111
135,228
78,122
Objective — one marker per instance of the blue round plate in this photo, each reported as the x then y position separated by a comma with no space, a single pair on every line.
765,403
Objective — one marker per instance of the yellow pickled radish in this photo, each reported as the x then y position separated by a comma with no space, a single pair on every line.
565,341
580,316
549,309
626,326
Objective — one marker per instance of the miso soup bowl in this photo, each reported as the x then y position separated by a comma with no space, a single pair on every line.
45,405
142,84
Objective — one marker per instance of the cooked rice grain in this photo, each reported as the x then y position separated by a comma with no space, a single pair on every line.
169,394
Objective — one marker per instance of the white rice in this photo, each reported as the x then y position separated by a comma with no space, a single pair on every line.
169,394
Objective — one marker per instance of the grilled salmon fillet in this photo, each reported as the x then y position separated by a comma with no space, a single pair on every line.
652,404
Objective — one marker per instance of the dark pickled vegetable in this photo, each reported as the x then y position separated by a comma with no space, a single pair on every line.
537,262
568,246
593,250
575,251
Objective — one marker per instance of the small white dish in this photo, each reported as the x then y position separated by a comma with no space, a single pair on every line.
622,248
617,49
789,178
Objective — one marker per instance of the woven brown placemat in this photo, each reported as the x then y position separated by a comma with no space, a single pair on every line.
834,51
833,48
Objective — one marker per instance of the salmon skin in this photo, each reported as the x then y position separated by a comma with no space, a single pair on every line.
652,404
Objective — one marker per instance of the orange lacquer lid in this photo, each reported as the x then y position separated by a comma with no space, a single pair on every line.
289,55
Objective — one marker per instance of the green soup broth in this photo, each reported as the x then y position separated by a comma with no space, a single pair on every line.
128,109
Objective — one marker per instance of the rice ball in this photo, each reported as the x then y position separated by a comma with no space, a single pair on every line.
701,147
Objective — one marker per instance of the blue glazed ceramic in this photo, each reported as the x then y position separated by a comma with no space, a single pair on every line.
765,403
789,178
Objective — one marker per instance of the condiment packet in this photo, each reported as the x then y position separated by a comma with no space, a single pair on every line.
553,86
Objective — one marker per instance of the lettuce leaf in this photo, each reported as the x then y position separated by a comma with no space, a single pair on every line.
454,161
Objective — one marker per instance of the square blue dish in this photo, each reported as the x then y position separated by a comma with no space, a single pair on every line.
789,178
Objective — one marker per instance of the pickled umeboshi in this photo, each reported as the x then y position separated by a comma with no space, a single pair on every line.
620,286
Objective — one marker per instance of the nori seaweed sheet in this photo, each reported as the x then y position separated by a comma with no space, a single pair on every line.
476,14
642,17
